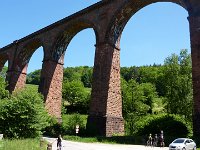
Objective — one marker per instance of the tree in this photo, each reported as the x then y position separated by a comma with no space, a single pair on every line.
72,74
133,101
178,84
3,72
86,77
76,95
34,77
23,115
3,92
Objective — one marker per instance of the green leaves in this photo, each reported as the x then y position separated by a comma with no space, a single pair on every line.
23,115
178,84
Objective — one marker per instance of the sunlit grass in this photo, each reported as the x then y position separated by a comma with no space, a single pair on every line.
22,144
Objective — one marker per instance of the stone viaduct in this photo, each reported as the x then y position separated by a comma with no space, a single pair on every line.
107,18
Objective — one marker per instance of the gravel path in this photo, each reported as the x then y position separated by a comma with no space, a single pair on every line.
69,145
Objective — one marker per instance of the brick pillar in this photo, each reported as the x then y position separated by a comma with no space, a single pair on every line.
105,114
16,78
195,52
51,87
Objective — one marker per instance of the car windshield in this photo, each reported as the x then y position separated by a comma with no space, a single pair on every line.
179,141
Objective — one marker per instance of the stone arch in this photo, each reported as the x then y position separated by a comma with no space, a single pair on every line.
18,70
27,51
65,37
125,12
52,70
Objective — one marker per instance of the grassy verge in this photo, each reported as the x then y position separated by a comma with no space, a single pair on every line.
22,144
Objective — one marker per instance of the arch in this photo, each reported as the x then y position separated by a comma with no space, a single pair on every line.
64,38
82,48
124,13
27,51
160,28
17,72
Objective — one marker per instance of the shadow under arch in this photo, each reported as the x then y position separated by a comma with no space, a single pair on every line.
125,12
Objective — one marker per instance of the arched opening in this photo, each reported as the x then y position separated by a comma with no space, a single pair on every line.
34,68
77,74
151,45
154,33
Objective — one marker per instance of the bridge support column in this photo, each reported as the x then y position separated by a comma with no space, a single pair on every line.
51,87
16,78
105,114
195,52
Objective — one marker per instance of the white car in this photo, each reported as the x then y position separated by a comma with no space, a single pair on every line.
182,144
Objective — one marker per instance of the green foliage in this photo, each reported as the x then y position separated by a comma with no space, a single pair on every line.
76,95
70,122
86,77
23,115
128,73
3,72
33,77
53,129
168,123
137,98
22,144
3,92
178,84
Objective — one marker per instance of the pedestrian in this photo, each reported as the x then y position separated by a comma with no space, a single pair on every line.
59,142
149,142
155,140
162,143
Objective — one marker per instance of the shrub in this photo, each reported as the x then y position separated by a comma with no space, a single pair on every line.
23,115
54,128
70,122
172,125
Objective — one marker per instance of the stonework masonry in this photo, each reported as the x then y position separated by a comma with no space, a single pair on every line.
107,18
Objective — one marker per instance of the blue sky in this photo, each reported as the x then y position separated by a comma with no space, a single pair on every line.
151,35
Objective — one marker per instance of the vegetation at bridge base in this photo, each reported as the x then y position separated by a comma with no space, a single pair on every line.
23,115
174,126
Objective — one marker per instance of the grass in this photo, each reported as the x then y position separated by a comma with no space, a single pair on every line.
22,144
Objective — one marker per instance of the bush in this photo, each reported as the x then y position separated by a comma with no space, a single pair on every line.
54,129
23,115
172,125
70,122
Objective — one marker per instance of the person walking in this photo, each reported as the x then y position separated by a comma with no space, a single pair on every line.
59,142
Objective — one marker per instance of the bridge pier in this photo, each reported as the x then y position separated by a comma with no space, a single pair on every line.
51,87
195,52
105,114
16,78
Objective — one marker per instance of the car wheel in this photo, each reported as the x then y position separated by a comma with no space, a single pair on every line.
183,148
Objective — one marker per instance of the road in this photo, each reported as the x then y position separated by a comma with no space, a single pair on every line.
69,145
